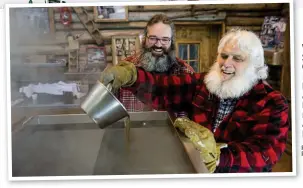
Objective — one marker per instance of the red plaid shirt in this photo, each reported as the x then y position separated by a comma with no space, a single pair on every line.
130,101
255,131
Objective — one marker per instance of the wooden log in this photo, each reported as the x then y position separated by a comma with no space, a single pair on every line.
209,22
145,16
55,51
106,34
39,50
202,18
249,28
84,38
186,15
103,26
286,71
158,8
36,59
87,8
142,8
72,26
253,14
269,6
241,21
248,6
51,20
56,41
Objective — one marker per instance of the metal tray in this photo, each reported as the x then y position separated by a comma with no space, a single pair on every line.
71,144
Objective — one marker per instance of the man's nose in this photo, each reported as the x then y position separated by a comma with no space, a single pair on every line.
158,43
228,62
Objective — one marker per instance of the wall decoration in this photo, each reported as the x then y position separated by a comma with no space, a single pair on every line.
110,13
272,32
96,58
124,46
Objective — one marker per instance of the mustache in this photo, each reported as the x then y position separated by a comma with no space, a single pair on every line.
155,47
166,51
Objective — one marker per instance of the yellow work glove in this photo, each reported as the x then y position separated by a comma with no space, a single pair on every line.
123,74
203,140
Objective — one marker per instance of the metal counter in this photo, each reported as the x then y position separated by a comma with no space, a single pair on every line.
68,145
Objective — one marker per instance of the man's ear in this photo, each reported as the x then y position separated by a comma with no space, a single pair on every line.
143,38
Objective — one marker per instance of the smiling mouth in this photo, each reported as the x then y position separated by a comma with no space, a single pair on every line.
228,73
157,50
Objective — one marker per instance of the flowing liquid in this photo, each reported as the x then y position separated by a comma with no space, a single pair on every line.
127,130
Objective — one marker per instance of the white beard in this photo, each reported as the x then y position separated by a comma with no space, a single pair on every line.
235,87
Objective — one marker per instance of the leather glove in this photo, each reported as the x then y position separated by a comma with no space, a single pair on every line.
123,74
203,140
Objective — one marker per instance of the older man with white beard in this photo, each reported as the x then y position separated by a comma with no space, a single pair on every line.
157,55
236,120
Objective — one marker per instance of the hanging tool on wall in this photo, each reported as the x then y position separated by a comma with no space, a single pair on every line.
65,16
73,51
89,23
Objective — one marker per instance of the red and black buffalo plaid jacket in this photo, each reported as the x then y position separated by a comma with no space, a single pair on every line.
255,131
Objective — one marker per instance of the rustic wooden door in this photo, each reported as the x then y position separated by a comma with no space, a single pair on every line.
197,44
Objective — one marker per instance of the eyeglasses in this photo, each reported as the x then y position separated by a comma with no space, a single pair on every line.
154,40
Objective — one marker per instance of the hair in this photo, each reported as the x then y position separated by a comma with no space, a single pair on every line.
250,43
158,18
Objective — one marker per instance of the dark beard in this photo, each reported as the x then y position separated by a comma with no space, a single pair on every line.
161,64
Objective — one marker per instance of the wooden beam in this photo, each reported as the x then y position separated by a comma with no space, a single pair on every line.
39,50
51,20
85,38
185,15
244,21
198,22
285,77
250,28
253,14
88,9
106,34
245,6
158,8
193,13
235,7
103,26
145,16
35,58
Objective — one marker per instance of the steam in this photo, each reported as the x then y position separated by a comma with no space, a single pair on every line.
28,30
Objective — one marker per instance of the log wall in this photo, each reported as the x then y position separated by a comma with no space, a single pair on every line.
248,16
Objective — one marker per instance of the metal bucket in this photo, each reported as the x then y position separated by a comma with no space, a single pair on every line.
102,106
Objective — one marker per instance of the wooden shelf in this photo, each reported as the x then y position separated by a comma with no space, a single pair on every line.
89,77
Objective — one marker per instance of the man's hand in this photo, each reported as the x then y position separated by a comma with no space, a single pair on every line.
122,75
203,140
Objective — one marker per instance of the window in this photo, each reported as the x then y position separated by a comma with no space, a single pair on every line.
189,52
